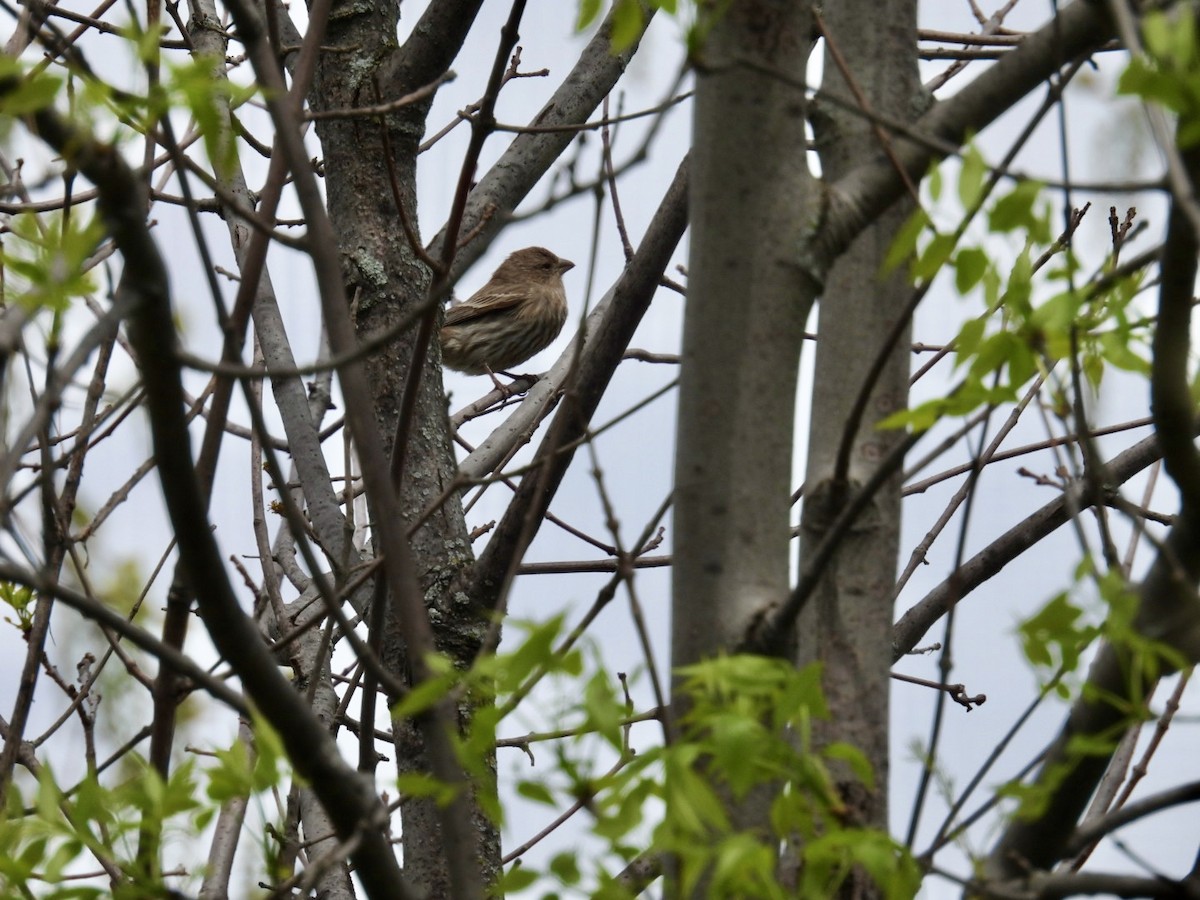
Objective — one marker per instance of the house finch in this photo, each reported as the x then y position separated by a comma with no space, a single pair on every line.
516,314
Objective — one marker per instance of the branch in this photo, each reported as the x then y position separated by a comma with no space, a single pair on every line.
351,801
1170,393
1041,886
376,862
1078,496
530,156
1106,824
855,200
109,618
610,329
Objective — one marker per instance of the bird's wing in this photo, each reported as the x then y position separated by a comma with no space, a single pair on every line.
482,304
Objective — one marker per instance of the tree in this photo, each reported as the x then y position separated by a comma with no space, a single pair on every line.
755,760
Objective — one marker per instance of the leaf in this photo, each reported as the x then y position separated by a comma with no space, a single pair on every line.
971,177
855,759
534,652
737,744
231,778
967,342
1056,636
933,257
30,95
417,784
627,24
970,264
537,792
918,418
422,697
904,244
934,183
1141,79
1015,209
588,11
517,878
565,867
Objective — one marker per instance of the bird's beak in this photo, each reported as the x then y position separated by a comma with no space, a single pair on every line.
565,265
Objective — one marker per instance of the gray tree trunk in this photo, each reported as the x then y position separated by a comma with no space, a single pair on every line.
847,623
752,196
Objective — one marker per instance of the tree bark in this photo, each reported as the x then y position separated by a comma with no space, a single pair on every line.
847,623
752,196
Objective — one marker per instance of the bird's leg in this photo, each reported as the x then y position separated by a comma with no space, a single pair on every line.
496,381
530,377
529,381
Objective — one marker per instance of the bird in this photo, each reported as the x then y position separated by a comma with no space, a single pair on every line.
519,312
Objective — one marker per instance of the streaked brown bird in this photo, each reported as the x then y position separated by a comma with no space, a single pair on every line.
517,313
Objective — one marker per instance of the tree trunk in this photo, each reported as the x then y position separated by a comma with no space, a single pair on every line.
386,280
847,623
751,198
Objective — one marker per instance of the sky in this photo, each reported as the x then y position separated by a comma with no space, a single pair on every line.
636,458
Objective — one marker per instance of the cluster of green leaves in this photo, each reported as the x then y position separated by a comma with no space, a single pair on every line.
20,599
1169,71
25,90
747,727
1054,640
52,836
47,257
1037,309
628,18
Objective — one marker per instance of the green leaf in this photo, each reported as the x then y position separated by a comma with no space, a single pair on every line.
565,868
588,11
517,878
1187,132
31,94
1157,35
1019,287
855,759
934,182
603,710
918,418
52,257
209,99
1015,209
232,777
270,756
1055,636
422,697
737,743
1141,79
971,177
534,652
905,243
994,351
417,784
692,806
970,264
627,24
933,257
967,342
537,792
